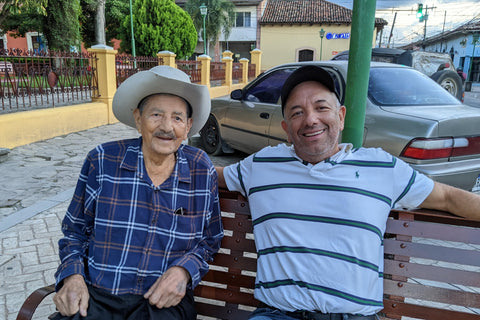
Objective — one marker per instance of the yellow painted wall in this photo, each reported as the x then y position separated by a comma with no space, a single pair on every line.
280,44
25,127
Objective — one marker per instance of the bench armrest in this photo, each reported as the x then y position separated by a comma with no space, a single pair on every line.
33,301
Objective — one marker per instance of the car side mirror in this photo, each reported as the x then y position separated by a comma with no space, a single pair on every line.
236,94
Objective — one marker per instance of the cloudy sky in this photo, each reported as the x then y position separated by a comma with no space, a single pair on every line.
443,15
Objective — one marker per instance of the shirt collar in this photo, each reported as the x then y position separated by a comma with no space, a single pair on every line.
133,161
345,149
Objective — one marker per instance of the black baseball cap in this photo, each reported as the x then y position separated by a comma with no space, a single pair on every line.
307,73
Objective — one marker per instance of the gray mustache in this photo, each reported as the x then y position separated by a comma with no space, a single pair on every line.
162,134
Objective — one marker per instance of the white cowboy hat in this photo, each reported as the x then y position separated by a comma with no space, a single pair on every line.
161,79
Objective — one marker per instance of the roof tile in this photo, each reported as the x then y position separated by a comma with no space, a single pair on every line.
307,12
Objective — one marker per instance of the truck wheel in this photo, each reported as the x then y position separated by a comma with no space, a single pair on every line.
450,81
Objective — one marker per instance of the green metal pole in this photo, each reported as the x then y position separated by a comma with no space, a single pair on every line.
204,36
363,22
321,48
133,37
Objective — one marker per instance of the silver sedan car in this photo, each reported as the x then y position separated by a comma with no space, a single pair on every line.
407,114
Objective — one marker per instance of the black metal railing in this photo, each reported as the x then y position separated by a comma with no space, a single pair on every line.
41,79
192,68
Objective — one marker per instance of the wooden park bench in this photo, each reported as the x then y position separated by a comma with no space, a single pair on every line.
432,267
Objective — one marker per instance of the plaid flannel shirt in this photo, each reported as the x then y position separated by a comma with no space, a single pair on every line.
122,233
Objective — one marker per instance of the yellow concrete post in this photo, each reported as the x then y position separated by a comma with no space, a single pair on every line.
256,55
228,70
166,58
244,62
227,54
107,77
205,72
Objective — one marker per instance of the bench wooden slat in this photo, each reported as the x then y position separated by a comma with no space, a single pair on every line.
433,252
434,231
241,223
395,309
228,311
231,295
429,293
239,243
432,272
230,278
236,261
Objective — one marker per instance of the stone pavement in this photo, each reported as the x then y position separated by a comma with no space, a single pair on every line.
36,185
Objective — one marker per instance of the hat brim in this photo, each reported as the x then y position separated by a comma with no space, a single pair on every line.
144,83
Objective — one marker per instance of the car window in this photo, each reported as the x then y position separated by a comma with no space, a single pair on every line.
385,58
405,87
341,56
268,89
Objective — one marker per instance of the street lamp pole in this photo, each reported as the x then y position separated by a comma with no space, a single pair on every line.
133,37
203,12
322,34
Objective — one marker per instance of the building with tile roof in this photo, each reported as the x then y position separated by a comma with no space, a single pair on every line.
290,31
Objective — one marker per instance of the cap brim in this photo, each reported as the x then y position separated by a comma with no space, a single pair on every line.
307,73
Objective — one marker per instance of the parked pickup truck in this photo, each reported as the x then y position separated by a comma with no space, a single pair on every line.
438,66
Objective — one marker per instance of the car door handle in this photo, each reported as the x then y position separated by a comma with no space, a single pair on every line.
265,115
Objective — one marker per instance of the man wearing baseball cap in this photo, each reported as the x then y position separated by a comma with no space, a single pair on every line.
145,217
319,209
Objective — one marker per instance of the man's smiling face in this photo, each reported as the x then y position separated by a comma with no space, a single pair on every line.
163,124
313,121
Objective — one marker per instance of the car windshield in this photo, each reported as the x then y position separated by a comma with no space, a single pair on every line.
405,87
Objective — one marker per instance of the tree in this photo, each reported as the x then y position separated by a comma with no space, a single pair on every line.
22,16
62,26
160,25
220,16
56,19
115,11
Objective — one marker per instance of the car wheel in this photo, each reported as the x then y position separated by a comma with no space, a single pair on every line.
210,135
450,81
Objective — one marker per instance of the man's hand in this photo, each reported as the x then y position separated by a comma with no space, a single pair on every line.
73,296
169,289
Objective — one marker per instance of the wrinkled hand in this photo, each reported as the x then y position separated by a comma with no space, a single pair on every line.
169,289
72,297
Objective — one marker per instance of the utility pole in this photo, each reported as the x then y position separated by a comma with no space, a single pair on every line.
443,30
391,30
425,18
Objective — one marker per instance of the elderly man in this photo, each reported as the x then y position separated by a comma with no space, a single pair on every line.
145,217
319,209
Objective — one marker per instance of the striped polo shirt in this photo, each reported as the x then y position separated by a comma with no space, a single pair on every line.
319,228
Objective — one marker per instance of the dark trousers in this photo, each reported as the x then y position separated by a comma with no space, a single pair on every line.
105,306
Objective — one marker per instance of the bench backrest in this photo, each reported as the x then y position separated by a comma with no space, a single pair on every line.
226,291
432,266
